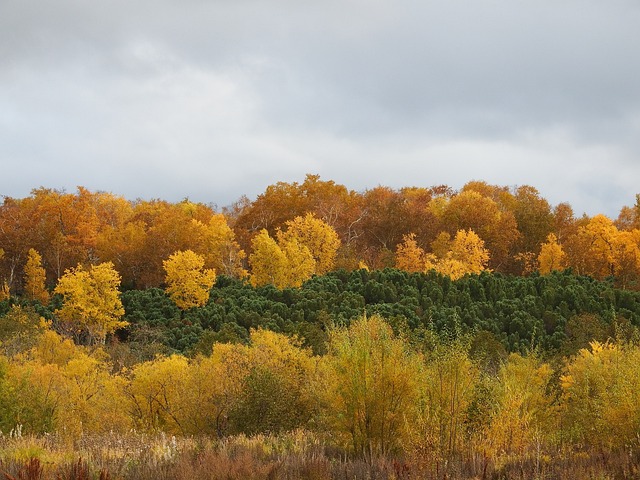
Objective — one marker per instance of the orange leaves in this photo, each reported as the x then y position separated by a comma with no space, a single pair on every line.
597,248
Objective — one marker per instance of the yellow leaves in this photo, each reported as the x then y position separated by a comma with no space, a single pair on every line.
53,349
284,264
227,390
188,283
279,352
91,400
157,392
566,382
598,249
300,262
448,380
92,306
269,264
468,249
523,413
466,254
370,386
308,246
552,256
409,256
34,278
601,395
61,387
320,238
215,241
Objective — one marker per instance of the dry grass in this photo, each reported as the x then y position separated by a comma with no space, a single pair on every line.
294,456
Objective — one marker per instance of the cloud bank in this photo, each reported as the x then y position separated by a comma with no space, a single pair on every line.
214,99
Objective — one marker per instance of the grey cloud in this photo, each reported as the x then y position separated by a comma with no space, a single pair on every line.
220,98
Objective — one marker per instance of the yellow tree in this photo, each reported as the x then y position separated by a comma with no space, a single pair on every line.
90,400
319,237
448,382
409,256
188,282
34,278
300,262
268,261
216,242
216,384
592,249
552,256
469,248
370,389
276,394
601,397
522,409
68,389
470,210
283,264
627,255
467,254
157,394
92,307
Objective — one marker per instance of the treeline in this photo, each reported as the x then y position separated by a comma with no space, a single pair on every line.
431,402
482,226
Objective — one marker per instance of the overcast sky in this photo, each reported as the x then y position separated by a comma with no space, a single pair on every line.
212,99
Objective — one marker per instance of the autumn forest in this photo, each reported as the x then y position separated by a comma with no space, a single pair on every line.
319,332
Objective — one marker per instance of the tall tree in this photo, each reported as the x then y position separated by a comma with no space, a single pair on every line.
91,307
409,256
372,389
467,254
469,210
268,262
319,237
188,282
552,256
34,278
286,263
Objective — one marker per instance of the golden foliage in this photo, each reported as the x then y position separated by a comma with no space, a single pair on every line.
409,256
284,264
188,282
34,278
370,387
319,237
522,415
601,396
552,256
92,305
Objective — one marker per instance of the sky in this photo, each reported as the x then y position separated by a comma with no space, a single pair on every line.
213,99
